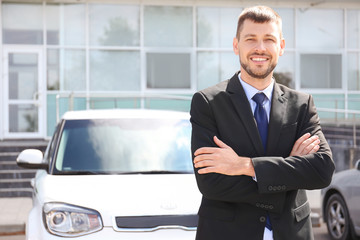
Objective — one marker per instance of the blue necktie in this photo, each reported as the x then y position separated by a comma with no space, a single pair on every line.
261,117
262,125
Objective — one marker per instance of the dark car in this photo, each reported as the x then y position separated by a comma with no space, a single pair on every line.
341,204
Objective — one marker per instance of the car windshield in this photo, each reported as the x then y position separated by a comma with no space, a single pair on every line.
124,146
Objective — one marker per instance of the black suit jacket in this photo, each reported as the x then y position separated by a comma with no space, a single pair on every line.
235,207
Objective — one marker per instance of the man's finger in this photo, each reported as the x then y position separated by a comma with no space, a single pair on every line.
205,150
220,143
204,163
203,157
207,170
308,142
300,141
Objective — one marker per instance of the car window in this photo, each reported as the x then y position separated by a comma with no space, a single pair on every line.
124,146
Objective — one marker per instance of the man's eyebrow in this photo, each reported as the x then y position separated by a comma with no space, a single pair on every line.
250,35
270,35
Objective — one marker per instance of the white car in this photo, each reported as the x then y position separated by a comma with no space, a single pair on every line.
115,174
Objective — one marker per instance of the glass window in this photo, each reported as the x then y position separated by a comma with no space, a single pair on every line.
65,24
52,74
288,26
317,28
168,26
114,25
23,118
23,76
353,66
114,70
22,23
73,70
214,67
168,70
320,70
52,16
130,145
285,70
216,27
353,29
66,70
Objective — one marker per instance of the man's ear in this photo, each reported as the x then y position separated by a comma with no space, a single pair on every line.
236,46
282,46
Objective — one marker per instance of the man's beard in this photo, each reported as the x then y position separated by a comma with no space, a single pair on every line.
259,75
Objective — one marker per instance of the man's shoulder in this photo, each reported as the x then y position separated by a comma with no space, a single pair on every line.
215,89
292,93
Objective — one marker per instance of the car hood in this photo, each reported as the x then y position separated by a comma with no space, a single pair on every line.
123,195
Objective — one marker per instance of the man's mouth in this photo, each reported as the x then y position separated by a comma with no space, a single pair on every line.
259,59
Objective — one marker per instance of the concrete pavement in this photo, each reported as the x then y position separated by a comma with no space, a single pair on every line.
13,215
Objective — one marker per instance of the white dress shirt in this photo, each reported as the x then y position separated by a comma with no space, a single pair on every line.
250,91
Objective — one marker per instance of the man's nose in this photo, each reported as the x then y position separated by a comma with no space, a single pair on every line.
260,46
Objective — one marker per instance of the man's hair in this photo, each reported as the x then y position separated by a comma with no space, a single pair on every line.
258,14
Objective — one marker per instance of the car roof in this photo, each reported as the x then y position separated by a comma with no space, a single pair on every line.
124,113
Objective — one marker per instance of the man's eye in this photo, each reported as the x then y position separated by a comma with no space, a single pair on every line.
270,40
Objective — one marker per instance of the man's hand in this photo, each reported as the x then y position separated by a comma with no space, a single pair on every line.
222,159
306,144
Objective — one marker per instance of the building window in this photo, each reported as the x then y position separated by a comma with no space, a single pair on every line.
353,28
114,25
285,70
22,23
166,26
353,68
114,70
216,29
65,24
168,70
320,29
321,71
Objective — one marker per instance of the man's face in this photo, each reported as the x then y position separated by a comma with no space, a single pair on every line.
259,47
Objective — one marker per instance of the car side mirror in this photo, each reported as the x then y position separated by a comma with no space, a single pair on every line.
31,158
357,164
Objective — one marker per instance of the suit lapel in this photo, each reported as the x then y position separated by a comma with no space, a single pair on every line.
277,114
242,106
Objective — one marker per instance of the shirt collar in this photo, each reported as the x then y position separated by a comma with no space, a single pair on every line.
250,91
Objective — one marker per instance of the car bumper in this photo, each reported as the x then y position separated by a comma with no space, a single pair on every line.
108,233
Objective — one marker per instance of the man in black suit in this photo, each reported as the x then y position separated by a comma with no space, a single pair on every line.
253,158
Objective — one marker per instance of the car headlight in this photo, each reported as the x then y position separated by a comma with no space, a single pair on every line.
70,221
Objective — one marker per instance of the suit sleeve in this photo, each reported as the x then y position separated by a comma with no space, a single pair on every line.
312,171
221,187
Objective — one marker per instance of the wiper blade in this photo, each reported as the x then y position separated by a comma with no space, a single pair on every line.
79,173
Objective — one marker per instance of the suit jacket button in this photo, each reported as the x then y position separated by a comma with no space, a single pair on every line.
270,188
262,219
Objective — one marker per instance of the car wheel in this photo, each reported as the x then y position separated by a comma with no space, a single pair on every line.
338,221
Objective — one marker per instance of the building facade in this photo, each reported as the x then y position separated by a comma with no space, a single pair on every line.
60,55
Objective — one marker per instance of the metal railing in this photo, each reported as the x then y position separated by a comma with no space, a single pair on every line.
351,118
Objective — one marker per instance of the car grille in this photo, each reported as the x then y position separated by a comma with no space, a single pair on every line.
152,223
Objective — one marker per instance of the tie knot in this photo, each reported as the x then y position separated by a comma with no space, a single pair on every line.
259,98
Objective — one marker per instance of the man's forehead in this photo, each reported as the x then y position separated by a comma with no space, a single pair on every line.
253,28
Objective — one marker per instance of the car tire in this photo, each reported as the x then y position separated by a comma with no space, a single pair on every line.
337,218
